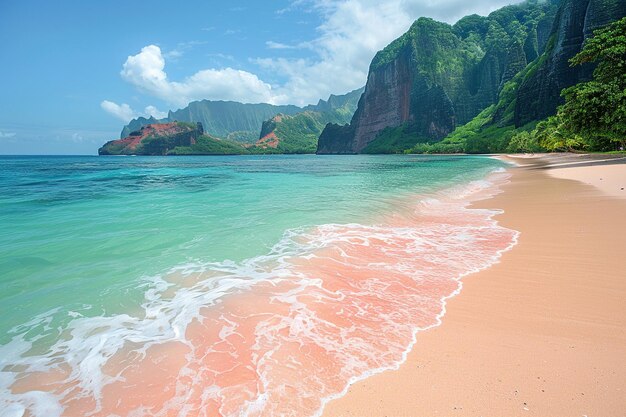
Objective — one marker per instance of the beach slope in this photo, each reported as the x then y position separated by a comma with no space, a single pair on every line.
543,333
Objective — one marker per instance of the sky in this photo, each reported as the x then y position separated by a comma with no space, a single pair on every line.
74,72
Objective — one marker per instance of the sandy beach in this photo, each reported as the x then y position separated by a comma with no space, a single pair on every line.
542,333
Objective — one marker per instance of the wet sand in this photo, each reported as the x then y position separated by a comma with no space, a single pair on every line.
543,333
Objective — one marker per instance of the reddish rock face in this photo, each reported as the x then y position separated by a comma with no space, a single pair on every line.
386,101
269,141
177,133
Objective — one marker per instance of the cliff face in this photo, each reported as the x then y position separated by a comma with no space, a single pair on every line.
154,139
436,77
539,93
386,100
404,87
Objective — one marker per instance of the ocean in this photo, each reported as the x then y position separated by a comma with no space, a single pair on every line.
227,286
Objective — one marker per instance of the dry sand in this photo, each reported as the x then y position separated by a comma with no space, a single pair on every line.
543,333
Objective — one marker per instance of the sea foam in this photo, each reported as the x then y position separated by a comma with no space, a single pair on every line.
278,334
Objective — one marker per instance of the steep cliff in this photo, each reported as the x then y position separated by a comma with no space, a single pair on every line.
539,93
436,77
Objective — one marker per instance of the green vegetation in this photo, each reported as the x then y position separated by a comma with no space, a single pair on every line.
595,111
436,50
298,134
593,117
188,125
443,77
207,145
394,140
525,142
462,133
112,148
243,136
436,148
295,134
479,136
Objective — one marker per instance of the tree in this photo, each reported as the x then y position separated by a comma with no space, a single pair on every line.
596,110
553,135
524,142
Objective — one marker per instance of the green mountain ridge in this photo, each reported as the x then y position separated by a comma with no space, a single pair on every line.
299,133
240,122
284,133
437,77
473,86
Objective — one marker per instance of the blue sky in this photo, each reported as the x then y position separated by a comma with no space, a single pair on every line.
74,72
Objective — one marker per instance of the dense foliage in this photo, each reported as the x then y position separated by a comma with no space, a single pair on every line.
593,117
207,145
595,111
394,140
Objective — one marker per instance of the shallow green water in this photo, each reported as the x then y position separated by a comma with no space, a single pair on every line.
81,233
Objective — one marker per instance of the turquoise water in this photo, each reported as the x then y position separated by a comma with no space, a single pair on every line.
81,234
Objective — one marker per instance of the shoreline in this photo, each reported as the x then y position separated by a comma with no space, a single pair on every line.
350,298
496,189
541,357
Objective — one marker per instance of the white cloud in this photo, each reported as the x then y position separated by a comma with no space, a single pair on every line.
174,54
125,113
146,70
154,112
7,134
452,10
121,111
278,45
181,49
351,33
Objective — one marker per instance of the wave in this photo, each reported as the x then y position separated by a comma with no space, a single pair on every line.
279,334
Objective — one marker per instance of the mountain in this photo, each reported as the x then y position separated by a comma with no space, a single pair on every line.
437,77
173,138
299,133
282,133
242,122
539,92
534,93
473,86
220,118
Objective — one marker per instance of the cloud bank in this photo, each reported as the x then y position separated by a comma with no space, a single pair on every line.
146,71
